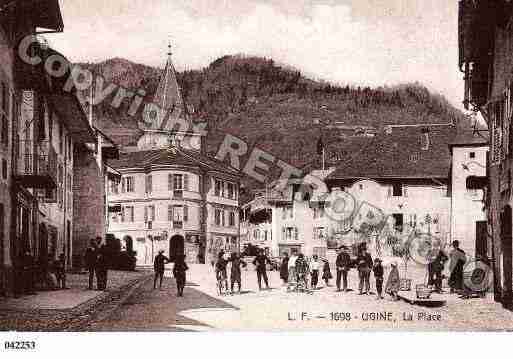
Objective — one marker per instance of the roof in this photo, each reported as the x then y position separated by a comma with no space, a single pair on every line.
406,152
174,156
470,138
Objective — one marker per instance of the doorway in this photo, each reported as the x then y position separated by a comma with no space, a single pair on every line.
506,223
176,247
481,240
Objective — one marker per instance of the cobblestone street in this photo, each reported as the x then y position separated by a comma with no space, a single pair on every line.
67,310
201,309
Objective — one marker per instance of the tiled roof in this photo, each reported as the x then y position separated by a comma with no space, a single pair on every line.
171,156
403,153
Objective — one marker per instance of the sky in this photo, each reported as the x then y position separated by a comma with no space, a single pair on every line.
359,42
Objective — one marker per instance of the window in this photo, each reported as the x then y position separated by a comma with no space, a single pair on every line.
318,212
129,184
219,217
149,184
319,233
472,155
129,214
397,190
231,219
114,188
256,234
290,233
398,221
218,188
287,212
231,190
152,213
177,182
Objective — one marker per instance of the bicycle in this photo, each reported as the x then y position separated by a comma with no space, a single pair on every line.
222,287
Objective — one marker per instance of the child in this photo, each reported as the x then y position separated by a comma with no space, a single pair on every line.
378,275
326,273
314,271
60,271
221,270
179,273
393,281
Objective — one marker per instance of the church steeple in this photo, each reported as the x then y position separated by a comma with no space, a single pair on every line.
168,96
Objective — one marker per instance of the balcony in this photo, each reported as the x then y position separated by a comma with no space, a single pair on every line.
36,165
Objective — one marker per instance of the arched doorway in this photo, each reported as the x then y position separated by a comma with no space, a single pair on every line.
176,246
507,260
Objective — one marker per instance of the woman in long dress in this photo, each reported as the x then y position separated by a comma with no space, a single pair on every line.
393,281
458,259
284,268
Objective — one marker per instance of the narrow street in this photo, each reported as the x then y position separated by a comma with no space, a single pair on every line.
201,309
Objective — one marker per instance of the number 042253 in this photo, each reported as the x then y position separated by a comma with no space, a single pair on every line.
19,345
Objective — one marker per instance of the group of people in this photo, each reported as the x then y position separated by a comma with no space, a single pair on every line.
237,264
295,269
179,271
97,262
457,259
47,272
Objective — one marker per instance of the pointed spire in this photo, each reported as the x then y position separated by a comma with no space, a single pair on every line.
168,96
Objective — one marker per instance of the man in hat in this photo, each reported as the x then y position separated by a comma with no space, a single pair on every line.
159,267
343,264
91,257
378,276
364,261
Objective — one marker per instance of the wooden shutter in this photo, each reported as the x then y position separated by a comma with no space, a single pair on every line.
170,213
170,182
222,218
389,192
145,213
405,191
283,234
132,214
295,233
185,182
123,185
185,213
122,214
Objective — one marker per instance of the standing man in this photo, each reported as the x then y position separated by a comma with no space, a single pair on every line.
260,262
364,269
102,266
343,264
458,259
235,275
159,267
91,256
28,271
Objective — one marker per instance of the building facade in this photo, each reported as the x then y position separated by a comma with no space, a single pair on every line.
485,53
43,128
172,196
407,179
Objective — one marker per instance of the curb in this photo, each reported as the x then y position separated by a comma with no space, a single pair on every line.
102,315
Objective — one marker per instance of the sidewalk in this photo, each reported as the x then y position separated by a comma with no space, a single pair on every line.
63,309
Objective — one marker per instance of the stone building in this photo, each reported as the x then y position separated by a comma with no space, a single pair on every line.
485,60
172,196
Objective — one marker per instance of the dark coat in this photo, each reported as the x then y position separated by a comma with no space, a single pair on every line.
90,257
378,271
260,262
343,261
159,263
235,271
284,269
364,261
326,271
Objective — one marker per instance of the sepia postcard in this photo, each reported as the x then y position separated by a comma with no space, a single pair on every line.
255,165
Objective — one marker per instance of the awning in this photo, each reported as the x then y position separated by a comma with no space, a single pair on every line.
70,111
477,182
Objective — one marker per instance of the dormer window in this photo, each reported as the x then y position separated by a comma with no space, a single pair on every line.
472,155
